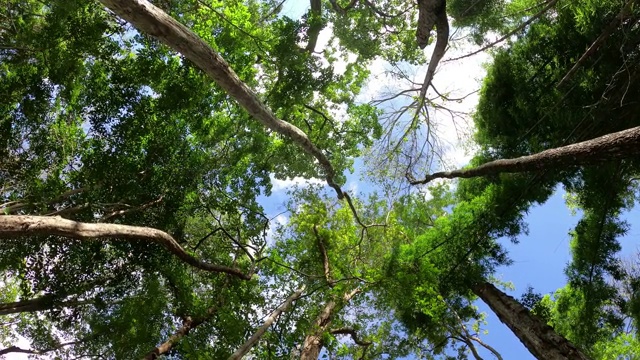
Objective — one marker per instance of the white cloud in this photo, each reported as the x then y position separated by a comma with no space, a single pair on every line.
289,183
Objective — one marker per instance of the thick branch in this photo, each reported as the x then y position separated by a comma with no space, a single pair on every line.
42,303
19,225
244,349
619,145
442,40
187,325
429,11
151,20
353,334
315,24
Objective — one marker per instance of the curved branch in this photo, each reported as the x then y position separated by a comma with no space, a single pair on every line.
618,145
487,346
353,334
442,40
22,225
151,20
187,325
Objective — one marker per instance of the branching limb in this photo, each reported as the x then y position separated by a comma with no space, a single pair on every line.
353,334
325,257
22,225
509,34
151,20
619,145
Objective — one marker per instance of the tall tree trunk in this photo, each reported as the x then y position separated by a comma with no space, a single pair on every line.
541,340
313,342
618,145
244,349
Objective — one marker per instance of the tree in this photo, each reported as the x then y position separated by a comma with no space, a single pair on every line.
153,129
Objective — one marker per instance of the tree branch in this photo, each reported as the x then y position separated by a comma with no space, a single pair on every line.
353,334
244,349
618,145
151,20
22,225
509,34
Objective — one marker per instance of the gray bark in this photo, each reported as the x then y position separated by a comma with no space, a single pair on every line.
22,225
541,340
244,349
618,145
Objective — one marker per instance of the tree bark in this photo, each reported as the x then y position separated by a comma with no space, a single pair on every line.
22,225
313,342
316,26
187,325
618,145
244,349
151,20
42,303
541,340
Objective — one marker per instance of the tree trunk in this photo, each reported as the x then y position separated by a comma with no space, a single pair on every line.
313,342
244,349
541,340
618,145
22,225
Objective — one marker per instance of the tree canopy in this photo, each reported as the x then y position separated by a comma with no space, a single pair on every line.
141,144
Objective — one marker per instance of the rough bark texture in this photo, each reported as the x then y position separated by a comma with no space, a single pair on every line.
313,342
187,325
619,145
42,303
429,11
442,40
151,20
541,340
18,225
244,349
314,29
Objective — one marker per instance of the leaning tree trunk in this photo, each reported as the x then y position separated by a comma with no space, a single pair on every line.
250,343
541,340
313,342
619,145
